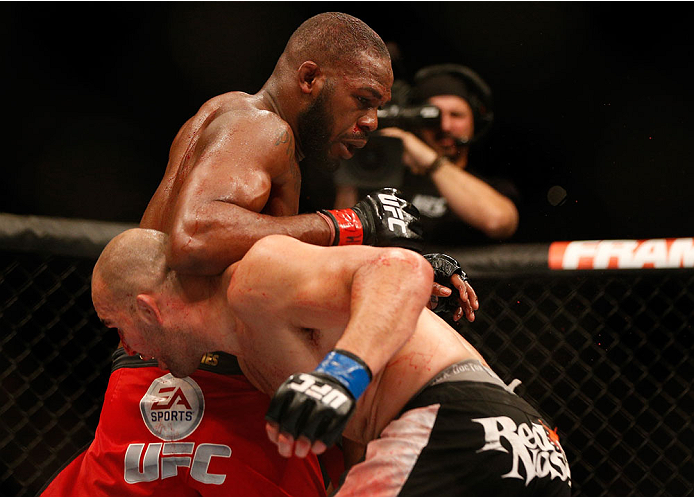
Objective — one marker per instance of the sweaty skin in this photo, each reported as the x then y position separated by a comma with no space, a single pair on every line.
325,300
232,170
280,310
233,175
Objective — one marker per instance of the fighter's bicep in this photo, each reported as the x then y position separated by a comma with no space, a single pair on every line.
232,169
248,187
263,140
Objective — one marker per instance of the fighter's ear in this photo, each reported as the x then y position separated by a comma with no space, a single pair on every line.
309,76
148,310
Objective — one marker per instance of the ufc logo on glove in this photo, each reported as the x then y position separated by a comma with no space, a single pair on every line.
383,218
324,393
392,204
318,405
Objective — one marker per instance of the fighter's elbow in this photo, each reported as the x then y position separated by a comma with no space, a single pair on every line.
416,270
178,254
186,250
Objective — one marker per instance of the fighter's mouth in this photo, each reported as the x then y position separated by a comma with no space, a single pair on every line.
347,148
355,143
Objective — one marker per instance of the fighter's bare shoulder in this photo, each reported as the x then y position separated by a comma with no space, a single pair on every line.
280,265
241,117
284,247
299,272
312,262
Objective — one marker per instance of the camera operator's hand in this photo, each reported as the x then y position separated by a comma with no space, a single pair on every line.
417,155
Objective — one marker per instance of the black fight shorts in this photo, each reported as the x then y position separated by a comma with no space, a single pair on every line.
464,434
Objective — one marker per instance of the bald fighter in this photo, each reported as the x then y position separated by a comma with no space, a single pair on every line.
232,178
343,340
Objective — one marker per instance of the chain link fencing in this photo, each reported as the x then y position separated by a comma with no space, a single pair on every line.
605,355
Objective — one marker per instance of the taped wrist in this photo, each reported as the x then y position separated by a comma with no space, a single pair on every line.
349,229
348,369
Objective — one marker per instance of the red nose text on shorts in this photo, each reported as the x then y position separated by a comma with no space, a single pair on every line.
533,453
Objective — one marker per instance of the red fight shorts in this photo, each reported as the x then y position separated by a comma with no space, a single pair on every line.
198,436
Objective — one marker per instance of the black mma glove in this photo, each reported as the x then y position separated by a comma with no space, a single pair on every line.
383,218
318,405
445,267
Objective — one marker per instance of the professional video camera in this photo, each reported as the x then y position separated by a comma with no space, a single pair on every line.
379,163
409,117
376,165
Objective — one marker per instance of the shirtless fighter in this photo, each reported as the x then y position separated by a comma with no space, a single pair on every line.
343,340
232,178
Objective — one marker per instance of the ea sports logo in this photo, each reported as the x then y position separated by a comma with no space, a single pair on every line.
172,408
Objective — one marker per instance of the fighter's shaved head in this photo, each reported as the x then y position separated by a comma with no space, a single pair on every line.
333,38
133,262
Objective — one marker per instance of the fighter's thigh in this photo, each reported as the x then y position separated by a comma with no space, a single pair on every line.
390,459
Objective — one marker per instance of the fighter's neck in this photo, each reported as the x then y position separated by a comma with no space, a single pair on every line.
206,309
275,104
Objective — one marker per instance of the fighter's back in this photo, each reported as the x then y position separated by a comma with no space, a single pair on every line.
313,298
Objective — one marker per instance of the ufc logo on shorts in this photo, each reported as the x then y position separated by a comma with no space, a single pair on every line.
392,204
324,393
162,460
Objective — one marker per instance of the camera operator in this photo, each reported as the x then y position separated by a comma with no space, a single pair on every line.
458,204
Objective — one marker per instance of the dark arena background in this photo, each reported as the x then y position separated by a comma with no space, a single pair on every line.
592,100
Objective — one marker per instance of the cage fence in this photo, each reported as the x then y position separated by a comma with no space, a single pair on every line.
605,355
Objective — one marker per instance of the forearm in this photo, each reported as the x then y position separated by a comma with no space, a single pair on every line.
475,202
215,236
387,297
383,295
